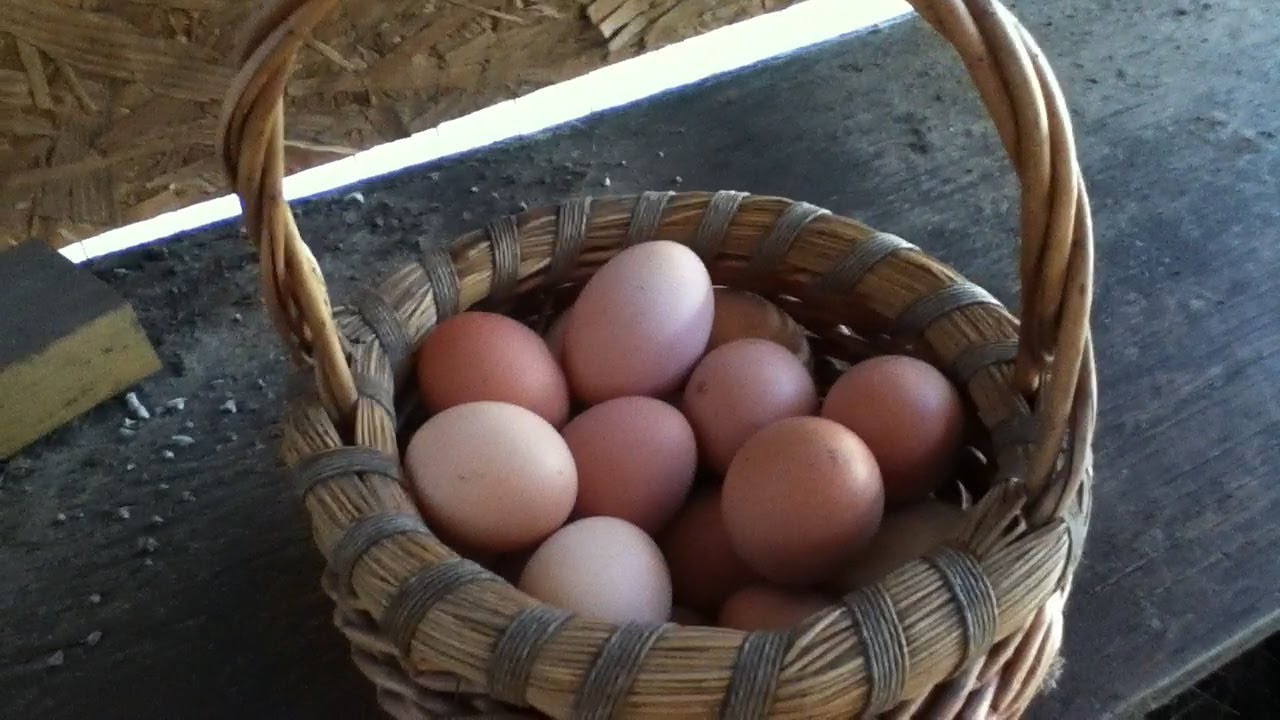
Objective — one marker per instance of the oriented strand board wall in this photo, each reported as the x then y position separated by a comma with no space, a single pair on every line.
108,107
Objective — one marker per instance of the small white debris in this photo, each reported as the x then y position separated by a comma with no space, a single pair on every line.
475,189
94,599
93,638
136,407
262,384
237,318
357,196
130,467
623,163
130,423
122,512
56,659
189,424
178,403
523,206
162,486
60,518
127,434
156,520
182,440
188,496
167,454
148,562
229,407
147,544
606,182
661,154
679,180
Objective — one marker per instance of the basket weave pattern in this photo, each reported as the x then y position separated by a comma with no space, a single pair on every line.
971,630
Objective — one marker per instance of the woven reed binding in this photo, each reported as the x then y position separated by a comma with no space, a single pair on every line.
755,675
858,261
342,461
715,223
982,652
504,239
517,651
647,216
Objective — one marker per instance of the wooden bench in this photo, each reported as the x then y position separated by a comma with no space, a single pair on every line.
146,587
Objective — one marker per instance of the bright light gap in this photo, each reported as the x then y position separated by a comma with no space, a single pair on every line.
719,51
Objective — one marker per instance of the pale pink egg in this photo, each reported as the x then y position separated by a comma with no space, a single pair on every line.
640,323
493,475
602,568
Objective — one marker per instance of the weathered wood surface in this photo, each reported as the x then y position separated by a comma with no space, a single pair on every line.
108,108
67,342
1177,118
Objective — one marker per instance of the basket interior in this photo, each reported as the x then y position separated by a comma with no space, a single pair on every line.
856,291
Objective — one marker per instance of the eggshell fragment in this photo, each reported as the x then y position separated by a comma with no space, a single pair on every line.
764,607
636,458
910,416
800,498
602,568
740,314
705,570
904,535
493,475
640,323
739,388
476,356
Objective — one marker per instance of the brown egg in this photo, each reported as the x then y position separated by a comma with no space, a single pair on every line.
640,323
493,475
910,416
636,457
739,388
483,356
704,568
740,314
904,535
764,607
800,498
602,568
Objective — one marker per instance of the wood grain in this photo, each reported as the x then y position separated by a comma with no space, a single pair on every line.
147,78
1178,120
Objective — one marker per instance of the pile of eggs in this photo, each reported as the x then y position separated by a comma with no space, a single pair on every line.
663,452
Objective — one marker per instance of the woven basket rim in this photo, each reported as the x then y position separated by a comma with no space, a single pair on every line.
405,600
1024,575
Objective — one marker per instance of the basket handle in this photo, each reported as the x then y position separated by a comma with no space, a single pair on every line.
1013,79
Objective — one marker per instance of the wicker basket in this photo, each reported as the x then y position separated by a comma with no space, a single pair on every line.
972,630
